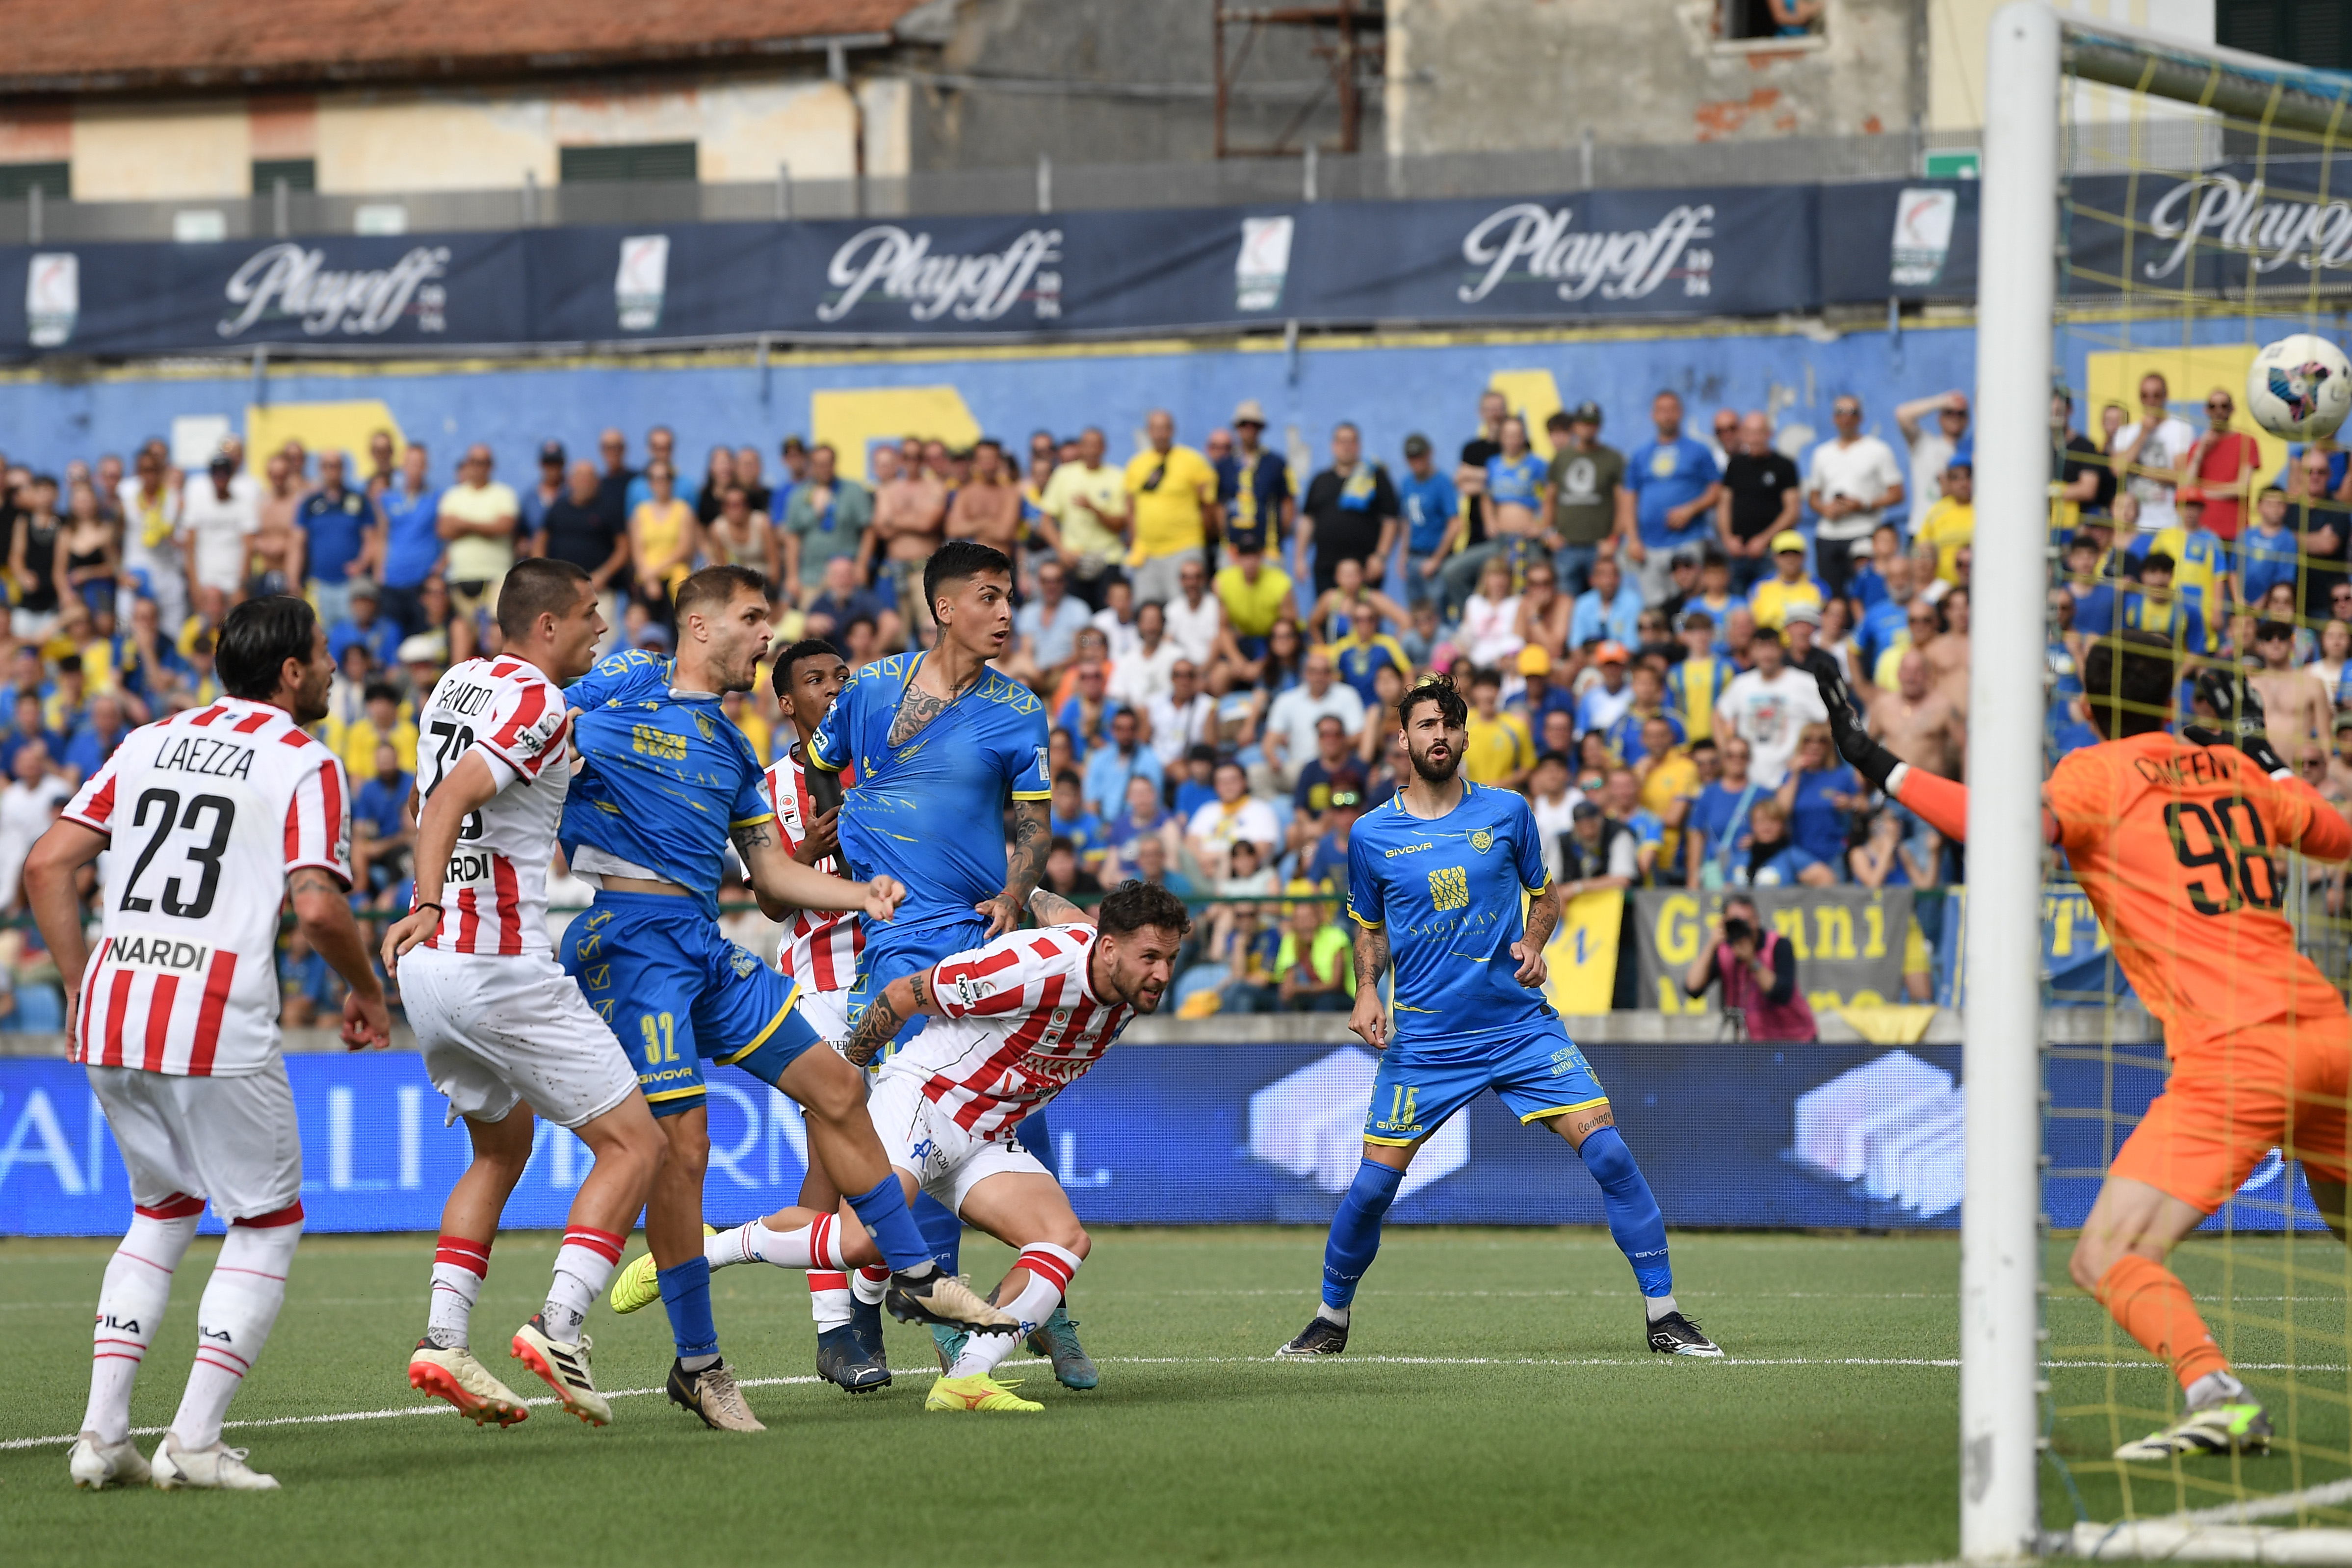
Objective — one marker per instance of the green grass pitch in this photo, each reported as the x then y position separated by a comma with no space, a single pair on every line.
1496,1406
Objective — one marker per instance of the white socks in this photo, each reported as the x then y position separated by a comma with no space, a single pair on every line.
2214,1388
232,1321
131,1309
583,1264
870,1283
828,1299
459,1267
1658,1306
816,1245
1050,1270
1331,1314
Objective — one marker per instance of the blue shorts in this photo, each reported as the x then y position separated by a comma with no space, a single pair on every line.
679,995
1537,1074
891,953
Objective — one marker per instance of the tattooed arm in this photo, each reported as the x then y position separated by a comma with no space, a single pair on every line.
1052,909
783,884
1369,1018
324,909
1033,834
900,1000
1543,919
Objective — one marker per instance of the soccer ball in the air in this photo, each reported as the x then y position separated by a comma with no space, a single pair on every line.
2300,387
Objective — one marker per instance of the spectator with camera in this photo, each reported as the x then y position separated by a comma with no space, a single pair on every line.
1757,970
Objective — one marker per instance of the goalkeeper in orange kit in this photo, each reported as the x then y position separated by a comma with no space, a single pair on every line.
2171,838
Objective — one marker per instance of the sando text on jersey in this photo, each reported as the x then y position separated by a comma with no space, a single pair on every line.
467,701
203,754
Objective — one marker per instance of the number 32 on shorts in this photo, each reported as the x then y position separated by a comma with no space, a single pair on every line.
661,1030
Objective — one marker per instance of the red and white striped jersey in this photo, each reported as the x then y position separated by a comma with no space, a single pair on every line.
821,949
1021,1024
209,812
494,897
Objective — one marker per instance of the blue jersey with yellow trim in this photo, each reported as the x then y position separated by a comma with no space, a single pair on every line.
668,778
930,813
1448,892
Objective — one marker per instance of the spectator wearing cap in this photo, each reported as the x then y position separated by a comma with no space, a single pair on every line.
1542,694
1592,508
1610,608
1695,685
1596,854
1433,517
412,540
1787,587
1254,486
1805,638
535,501
1682,577
1608,698
1351,514
1675,485
1855,480
477,520
1949,527
1762,499
365,624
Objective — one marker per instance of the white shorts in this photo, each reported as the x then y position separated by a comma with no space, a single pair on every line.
827,1012
494,1031
232,1139
946,1161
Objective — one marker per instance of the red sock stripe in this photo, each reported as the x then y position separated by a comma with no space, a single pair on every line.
820,1279
602,1243
179,1206
874,1273
821,1240
237,1372
290,1214
1048,1266
473,1257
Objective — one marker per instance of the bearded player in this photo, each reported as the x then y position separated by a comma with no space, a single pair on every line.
1020,1019
2171,838
1435,880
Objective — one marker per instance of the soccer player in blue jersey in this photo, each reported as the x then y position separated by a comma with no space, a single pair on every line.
1434,884
666,783
938,740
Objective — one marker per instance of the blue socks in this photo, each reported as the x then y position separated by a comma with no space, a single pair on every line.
1633,1218
882,1213
686,1297
1356,1230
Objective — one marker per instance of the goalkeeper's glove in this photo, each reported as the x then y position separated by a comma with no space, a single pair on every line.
1855,743
2238,718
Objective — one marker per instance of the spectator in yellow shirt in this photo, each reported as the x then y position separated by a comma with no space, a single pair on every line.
382,726
1500,751
1949,524
1085,520
1670,781
1772,600
1253,594
1171,493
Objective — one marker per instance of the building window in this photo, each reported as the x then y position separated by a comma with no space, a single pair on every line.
645,161
2315,33
301,174
1743,21
17,180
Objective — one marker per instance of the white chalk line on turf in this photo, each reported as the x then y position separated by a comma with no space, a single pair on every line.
337,1417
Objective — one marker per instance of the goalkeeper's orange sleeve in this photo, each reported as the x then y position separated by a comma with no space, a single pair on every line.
2326,837
1943,804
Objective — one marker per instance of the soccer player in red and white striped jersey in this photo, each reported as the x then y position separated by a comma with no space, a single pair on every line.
497,1021
1019,1019
215,815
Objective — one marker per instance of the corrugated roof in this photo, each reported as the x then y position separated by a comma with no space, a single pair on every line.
102,46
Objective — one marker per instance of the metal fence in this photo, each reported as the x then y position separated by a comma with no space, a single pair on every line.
1581,163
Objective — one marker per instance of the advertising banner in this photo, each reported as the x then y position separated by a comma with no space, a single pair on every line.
1823,1135
1849,942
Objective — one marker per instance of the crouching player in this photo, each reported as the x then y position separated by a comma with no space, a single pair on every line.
1435,882
2171,837
1024,1017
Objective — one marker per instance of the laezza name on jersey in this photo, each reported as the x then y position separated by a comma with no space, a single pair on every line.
203,754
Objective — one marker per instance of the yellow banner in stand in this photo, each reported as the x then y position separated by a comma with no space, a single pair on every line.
1584,953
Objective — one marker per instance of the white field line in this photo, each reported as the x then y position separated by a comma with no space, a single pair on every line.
1929,1361
2275,1506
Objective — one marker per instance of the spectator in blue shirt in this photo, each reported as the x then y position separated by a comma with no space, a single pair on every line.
1197,788
1048,624
1110,766
1073,819
339,529
1676,484
1886,623
364,625
1430,506
1610,609
532,504
95,738
2267,550
1088,713
1774,859
29,727
382,830
1820,795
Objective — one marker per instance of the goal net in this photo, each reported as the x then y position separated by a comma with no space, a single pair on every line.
2198,204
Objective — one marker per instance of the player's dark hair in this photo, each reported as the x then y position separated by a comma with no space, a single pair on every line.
1440,689
717,586
2127,682
257,639
960,561
780,678
535,586
1132,905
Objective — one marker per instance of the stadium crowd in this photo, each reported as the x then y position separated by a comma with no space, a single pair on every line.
1214,633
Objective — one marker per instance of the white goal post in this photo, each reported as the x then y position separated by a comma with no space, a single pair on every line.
2031,50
